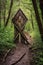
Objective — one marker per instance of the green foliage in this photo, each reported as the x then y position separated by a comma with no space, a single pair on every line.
6,38
7,34
38,53
37,49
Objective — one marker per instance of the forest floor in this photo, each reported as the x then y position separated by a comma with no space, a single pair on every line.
20,55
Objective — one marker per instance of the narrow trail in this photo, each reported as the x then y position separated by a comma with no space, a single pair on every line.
20,55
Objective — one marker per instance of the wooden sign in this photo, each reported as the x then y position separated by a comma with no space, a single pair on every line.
19,21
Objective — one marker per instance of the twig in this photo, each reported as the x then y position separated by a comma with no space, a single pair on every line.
19,59
6,55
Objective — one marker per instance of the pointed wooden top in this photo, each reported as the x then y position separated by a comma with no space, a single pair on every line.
20,15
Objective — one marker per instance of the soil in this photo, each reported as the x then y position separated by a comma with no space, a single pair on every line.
20,55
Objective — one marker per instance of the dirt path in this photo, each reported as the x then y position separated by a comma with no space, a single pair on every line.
20,55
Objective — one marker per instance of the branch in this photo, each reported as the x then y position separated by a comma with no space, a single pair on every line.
6,55
19,59
11,4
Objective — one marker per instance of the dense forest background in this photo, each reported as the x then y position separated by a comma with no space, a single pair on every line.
33,9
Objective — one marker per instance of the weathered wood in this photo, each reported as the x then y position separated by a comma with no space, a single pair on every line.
19,19
16,35
22,34
21,14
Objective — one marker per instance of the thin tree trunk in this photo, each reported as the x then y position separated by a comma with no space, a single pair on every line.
0,13
0,18
4,11
32,22
38,18
11,4
4,16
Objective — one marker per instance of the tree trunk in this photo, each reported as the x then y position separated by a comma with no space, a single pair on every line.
38,18
41,7
11,4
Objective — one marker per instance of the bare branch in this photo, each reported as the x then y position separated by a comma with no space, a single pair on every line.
11,4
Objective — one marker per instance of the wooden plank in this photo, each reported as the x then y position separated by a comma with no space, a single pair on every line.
22,33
